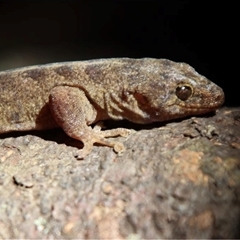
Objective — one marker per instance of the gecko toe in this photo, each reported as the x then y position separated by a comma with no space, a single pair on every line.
82,153
125,132
119,147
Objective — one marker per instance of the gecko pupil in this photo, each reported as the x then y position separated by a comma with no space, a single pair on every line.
183,92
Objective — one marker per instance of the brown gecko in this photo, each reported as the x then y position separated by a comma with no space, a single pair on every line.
75,95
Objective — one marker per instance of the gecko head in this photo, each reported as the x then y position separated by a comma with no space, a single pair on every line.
170,90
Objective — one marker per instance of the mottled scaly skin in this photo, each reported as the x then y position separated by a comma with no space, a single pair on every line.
140,90
111,85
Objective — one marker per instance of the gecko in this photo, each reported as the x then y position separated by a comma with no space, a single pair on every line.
77,95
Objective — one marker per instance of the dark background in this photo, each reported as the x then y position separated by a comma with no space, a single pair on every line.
201,33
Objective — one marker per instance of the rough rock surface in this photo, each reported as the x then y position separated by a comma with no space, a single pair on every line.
175,180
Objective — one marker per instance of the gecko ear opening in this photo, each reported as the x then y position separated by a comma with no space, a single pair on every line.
141,99
184,92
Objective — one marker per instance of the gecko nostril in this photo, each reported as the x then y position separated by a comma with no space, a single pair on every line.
219,97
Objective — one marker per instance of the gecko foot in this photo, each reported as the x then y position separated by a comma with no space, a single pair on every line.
96,136
100,138
82,153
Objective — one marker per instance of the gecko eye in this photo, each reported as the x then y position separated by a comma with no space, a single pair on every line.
183,92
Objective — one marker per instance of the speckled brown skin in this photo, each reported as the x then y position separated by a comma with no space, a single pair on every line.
74,95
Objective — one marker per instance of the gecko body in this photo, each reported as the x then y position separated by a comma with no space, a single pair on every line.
75,95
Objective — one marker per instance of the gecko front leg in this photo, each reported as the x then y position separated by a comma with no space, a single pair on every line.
74,113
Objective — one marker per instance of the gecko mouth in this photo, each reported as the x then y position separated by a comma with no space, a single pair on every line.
199,106
212,104
196,108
